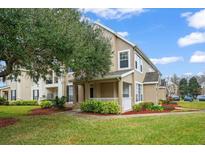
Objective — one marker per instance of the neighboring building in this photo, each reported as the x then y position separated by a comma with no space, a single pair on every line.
133,78
19,89
172,89
203,88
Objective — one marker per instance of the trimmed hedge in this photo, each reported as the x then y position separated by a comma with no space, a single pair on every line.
3,101
46,104
24,102
102,107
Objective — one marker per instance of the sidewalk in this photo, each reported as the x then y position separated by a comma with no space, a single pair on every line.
78,113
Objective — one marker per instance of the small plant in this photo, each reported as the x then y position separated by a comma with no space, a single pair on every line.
156,108
146,105
24,102
46,104
3,101
137,107
60,102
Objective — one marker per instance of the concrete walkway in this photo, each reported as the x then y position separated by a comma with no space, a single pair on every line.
78,113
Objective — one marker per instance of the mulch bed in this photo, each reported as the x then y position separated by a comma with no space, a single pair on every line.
4,122
47,111
144,112
173,105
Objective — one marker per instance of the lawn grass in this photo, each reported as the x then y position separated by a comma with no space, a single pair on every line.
63,128
192,105
13,111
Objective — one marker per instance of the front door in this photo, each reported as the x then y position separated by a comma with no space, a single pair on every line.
91,93
126,100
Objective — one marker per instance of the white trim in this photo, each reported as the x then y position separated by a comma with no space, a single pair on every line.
127,73
137,82
150,82
136,56
128,51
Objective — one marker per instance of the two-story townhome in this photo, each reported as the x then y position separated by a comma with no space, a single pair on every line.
132,78
17,89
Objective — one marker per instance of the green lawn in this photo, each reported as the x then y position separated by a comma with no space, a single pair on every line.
193,105
62,128
13,111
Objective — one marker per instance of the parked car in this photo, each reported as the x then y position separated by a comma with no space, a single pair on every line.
175,98
201,98
188,98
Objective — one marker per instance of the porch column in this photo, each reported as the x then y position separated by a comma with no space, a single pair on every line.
87,90
75,93
133,88
114,89
120,92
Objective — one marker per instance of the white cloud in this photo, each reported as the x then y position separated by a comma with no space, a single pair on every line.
188,74
196,20
200,73
186,14
124,34
166,60
115,13
193,38
198,57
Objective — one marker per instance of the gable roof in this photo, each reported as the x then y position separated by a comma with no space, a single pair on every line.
151,77
135,47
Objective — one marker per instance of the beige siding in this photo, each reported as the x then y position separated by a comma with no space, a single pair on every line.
150,93
162,93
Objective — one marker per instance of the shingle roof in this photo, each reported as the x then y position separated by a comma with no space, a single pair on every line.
115,74
151,77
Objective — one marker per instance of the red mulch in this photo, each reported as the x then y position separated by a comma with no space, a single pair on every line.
144,112
47,111
4,122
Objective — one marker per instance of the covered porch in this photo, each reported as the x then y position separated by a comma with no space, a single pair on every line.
4,92
118,88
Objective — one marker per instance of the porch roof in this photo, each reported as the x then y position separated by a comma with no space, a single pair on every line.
151,77
114,75
4,87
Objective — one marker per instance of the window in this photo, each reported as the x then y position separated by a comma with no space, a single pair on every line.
13,94
139,92
126,90
70,93
124,59
138,63
35,94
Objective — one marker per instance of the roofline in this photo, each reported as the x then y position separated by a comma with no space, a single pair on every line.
154,82
135,47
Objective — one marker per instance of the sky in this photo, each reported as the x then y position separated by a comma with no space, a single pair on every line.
174,39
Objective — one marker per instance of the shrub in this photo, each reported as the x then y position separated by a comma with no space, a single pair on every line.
3,101
156,108
168,107
59,102
137,107
46,104
24,102
146,105
100,107
163,102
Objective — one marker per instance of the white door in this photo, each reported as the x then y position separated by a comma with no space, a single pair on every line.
126,100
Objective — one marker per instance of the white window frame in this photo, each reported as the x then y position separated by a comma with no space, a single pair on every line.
139,63
142,93
128,51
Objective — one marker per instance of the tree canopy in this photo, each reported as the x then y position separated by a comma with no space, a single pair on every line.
40,40
183,87
194,87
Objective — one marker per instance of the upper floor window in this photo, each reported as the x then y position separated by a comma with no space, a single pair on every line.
138,63
124,59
